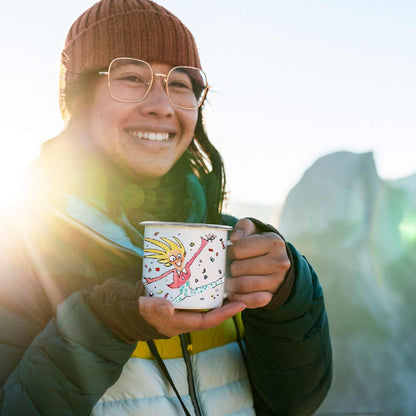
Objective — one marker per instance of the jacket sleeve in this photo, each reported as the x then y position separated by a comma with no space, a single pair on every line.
67,367
60,352
288,348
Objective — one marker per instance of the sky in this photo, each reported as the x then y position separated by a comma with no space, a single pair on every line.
291,81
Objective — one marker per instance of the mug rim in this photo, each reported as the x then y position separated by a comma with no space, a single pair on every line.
185,224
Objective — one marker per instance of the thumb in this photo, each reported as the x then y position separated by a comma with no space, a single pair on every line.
155,306
243,228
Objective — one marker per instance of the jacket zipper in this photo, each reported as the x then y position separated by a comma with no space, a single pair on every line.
186,346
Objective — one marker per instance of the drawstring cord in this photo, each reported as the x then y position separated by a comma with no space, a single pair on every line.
186,349
162,365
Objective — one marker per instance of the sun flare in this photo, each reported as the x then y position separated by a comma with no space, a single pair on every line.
13,167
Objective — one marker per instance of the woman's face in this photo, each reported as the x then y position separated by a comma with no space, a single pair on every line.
146,137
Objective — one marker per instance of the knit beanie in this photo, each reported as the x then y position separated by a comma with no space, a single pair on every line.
123,28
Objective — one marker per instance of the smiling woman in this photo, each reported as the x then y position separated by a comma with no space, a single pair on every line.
77,333
128,121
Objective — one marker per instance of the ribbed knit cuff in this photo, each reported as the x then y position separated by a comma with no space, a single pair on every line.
116,303
285,289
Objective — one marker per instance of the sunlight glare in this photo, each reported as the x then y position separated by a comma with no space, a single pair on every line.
13,166
408,229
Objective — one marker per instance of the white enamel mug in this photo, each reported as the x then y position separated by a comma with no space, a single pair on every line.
185,263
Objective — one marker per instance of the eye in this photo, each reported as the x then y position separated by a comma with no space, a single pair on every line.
180,85
179,80
133,78
172,258
179,256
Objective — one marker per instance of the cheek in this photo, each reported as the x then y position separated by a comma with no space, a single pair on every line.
104,124
104,114
189,120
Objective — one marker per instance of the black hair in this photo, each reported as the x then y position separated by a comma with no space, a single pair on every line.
207,163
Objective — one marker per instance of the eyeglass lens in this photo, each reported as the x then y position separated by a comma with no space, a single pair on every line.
130,81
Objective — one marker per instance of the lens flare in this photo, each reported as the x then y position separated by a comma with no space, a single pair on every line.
407,229
13,177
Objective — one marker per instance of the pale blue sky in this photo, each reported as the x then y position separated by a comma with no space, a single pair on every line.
291,81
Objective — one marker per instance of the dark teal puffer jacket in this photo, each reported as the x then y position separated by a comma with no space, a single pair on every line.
59,360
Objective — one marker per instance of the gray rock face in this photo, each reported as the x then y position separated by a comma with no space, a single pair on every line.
359,233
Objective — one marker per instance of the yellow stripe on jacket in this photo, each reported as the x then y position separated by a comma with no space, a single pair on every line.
222,334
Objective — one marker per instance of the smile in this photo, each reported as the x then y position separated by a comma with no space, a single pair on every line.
150,135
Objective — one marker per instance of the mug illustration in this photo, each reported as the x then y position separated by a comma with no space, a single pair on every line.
172,254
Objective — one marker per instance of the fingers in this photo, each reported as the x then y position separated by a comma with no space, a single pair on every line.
255,255
162,316
154,306
248,284
259,266
243,228
190,321
254,291
256,245
252,300
259,263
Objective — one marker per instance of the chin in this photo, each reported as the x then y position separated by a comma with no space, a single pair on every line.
154,173
148,177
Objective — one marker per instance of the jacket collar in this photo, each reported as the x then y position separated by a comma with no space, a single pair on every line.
92,218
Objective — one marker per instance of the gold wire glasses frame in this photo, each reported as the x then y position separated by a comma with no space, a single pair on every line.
130,81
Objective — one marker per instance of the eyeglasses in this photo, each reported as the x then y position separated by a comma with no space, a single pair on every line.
130,80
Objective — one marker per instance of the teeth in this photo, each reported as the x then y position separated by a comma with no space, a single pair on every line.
149,135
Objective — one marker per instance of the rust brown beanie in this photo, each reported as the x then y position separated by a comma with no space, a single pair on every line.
123,28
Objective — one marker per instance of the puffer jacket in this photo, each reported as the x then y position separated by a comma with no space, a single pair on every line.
58,358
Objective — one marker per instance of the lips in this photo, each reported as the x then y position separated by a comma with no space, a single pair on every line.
150,135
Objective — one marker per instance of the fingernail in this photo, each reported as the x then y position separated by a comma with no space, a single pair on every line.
236,235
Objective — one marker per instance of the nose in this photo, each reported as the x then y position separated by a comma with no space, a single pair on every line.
157,102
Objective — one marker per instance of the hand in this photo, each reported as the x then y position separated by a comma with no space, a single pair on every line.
259,263
168,321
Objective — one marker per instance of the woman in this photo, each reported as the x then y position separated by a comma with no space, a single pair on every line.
77,336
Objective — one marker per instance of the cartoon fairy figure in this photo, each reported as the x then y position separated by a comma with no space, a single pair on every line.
172,253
